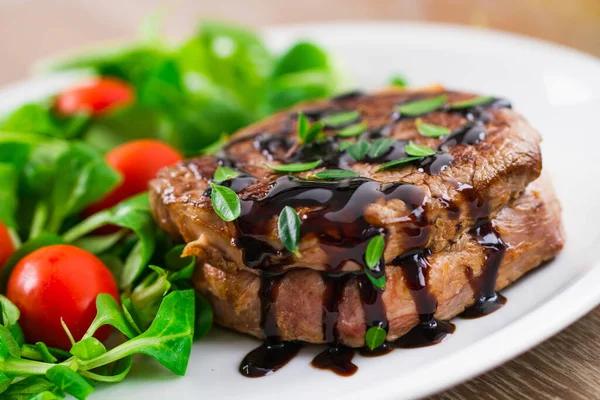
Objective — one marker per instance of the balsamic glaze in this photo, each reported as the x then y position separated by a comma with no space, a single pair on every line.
487,300
336,218
337,359
273,353
469,133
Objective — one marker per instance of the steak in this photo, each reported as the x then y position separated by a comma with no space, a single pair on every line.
491,157
530,226
449,180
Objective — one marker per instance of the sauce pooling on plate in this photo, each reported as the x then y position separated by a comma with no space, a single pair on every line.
337,220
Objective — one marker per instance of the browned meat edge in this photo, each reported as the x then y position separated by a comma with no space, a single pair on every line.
530,226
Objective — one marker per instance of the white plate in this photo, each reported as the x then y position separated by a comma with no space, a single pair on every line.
558,89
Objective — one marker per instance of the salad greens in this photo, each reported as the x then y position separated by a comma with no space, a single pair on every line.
217,81
191,95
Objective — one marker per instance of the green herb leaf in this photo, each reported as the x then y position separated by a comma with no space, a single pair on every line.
88,348
82,177
416,150
8,344
119,371
397,163
313,132
307,133
46,395
420,107
379,147
431,130
375,337
352,130
29,387
109,313
168,340
459,105
5,382
131,315
374,251
340,119
344,145
100,243
134,213
45,353
299,167
335,174
69,381
9,177
9,312
225,202
359,150
377,282
224,173
398,81
288,227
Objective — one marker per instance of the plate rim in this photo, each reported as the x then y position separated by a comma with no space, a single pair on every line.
541,322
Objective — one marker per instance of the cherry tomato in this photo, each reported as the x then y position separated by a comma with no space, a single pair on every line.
97,96
59,281
7,247
138,162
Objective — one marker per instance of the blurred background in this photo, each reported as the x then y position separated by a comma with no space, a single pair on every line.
34,29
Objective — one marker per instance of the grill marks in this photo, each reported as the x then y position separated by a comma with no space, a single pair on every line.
336,217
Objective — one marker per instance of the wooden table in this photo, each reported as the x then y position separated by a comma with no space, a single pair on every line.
566,366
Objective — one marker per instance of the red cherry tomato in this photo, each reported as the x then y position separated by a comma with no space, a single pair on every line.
96,97
138,162
7,247
59,281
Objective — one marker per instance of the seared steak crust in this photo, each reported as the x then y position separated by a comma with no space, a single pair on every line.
530,226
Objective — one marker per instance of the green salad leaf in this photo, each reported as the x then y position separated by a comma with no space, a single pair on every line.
69,381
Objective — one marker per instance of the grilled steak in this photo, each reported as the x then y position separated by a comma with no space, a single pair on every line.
491,157
445,178
530,226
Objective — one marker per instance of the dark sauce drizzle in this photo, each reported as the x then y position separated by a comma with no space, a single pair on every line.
273,353
338,222
487,300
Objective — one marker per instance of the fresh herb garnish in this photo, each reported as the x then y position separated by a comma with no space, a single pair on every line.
374,251
224,173
379,147
476,101
416,150
344,145
397,163
299,167
377,282
352,130
358,150
225,202
430,130
420,107
375,337
398,81
340,119
335,174
288,228
307,132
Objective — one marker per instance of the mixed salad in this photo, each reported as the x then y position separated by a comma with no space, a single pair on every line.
80,255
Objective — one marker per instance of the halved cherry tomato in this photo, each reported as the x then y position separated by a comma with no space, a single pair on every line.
59,281
96,97
7,247
138,162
